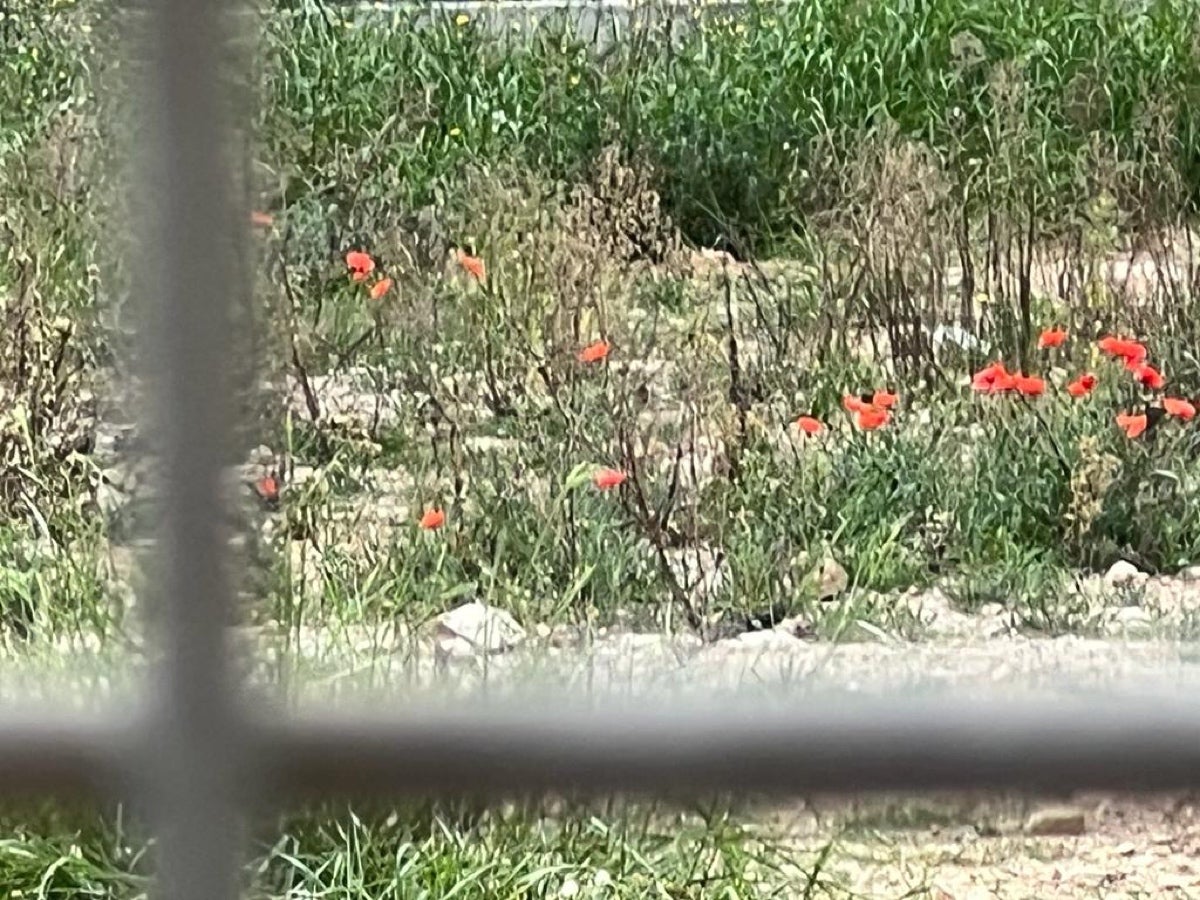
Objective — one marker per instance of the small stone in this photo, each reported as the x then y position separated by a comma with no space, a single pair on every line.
262,455
797,627
302,475
830,579
1132,618
486,628
1123,573
1056,820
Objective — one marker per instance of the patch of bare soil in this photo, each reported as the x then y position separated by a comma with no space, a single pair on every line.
1127,846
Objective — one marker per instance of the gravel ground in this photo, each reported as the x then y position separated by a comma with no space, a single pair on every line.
326,662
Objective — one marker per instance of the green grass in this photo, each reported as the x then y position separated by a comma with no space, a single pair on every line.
337,852
870,151
749,123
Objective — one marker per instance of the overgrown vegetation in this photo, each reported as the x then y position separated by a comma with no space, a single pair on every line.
898,198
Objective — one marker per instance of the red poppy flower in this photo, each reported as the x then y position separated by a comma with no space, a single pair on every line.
1148,376
884,400
606,479
381,287
472,265
1130,351
871,417
267,487
1029,385
432,519
1132,425
809,425
1180,408
360,264
1051,338
853,404
1082,386
993,379
594,352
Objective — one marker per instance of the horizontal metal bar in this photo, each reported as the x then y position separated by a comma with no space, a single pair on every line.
901,744
63,755
876,744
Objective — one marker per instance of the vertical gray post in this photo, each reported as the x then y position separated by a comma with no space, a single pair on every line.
189,280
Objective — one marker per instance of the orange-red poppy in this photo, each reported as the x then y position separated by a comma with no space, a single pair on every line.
267,487
1029,385
993,379
432,518
871,417
261,219
472,265
606,479
809,425
1130,351
853,404
1051,338
381,287
1148,376
1132,425
1082,386
360,264
884,399
1180,408
594,352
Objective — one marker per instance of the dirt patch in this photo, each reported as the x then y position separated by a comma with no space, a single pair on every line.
973,848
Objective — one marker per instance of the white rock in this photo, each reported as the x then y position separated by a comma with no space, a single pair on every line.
486,628
450,646
1132,618
1123,573
795,626
1056,820
262,455
302,475
937,615
957,336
